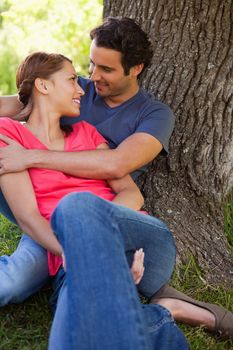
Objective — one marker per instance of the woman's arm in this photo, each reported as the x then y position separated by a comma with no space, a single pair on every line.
127,192
19,193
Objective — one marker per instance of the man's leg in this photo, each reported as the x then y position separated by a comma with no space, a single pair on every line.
98,307
163,331
161,328
25,271
184,309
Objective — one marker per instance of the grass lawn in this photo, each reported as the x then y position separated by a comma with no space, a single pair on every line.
26,326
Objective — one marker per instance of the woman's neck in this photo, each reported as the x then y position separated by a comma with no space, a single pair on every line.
45,125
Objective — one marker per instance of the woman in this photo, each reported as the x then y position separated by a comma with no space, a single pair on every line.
48,89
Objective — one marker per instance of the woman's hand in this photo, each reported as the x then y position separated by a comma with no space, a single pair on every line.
137,267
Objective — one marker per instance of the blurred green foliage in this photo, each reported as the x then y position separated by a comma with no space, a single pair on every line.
47,25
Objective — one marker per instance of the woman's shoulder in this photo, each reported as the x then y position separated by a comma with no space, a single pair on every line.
8,123
13,129
86,135
83,127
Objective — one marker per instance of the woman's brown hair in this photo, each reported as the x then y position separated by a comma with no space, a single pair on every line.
37,65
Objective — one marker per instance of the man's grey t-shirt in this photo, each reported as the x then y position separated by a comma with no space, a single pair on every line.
141,113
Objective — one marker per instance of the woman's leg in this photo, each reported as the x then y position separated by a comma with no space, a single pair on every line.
163,331
22,273
98,307
137,231
25,271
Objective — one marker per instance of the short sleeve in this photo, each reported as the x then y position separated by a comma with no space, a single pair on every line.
8,128
84,137
96,137
158,121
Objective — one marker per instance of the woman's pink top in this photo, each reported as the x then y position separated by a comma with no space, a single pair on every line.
51,185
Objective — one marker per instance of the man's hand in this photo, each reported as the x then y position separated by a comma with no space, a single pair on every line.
137,268
12,156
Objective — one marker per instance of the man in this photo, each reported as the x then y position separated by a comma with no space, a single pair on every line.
137,128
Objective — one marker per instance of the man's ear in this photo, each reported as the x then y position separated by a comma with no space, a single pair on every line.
40,85
137,69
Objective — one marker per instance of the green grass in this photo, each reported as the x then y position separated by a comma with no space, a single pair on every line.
26,326
228,224
188,279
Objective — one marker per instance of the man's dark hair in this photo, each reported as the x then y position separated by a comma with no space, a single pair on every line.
126,36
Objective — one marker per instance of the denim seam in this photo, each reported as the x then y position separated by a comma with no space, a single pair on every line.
160,324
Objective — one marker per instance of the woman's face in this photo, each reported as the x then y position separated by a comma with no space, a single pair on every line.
64,91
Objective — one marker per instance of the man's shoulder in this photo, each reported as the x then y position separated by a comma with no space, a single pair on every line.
145,106
150,102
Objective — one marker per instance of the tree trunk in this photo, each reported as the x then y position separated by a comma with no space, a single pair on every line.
191,72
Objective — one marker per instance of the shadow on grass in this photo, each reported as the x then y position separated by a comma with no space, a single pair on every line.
26,326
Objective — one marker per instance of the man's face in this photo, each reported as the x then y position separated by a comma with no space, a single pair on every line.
108,74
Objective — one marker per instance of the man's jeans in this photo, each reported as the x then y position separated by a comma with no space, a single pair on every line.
25,271
98,306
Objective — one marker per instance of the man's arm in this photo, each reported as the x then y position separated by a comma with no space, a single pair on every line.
9,106
134,152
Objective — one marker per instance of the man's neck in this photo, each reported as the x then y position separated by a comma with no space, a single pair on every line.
114,101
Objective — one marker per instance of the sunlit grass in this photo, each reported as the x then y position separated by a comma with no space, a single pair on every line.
188,279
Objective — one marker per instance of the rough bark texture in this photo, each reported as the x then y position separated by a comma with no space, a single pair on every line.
192,71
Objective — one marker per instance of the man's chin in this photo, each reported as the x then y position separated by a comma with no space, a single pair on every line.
101,91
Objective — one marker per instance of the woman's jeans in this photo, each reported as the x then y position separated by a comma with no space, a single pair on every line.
98,306
25,271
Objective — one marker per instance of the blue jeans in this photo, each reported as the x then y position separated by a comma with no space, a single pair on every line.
98,306
25,271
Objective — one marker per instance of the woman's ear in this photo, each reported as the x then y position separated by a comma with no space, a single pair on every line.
40,85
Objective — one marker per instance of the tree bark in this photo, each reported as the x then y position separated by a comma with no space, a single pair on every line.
192,71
